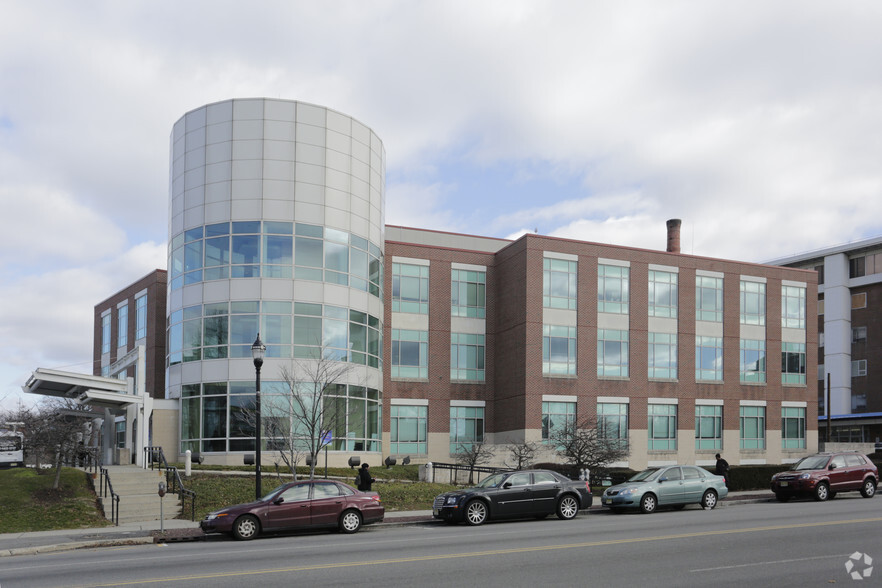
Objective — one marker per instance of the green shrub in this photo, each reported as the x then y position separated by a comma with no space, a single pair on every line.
752,477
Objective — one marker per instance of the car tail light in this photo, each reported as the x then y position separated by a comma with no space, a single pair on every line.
376,498
587,486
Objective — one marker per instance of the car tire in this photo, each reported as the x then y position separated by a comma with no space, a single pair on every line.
782,497
246,528
868,490
350,522
475,513
822,492
709,500
648,503
567,507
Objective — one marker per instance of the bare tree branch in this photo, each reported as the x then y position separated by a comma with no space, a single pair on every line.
471,455
521,455
312,408
583,445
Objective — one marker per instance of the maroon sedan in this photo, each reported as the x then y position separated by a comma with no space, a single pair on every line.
299,505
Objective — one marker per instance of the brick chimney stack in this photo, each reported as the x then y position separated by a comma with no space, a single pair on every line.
674,235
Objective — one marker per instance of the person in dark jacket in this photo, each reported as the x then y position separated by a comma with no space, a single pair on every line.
722,469
365,479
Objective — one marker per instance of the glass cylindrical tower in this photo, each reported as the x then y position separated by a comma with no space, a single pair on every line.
276,224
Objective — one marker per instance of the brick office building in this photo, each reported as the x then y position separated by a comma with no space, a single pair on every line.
665,349
133,316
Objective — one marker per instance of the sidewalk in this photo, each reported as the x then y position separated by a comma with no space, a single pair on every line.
175,530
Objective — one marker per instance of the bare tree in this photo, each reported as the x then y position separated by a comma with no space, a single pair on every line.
54,430
472,455
319,402
583,445
521,455
299,420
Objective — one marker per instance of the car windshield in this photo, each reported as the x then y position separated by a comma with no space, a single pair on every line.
814,462
646,475
273,492
493,481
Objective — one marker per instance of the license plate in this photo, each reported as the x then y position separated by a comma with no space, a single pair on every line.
782,484
436,512
607,500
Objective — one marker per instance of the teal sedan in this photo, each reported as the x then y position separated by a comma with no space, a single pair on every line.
674,486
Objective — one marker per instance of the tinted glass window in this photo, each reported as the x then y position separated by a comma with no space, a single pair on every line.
543,478
854,460
324,490
519,480
838,461
691,473
294,493
672,474
346,490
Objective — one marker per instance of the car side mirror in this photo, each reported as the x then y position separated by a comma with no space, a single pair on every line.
507,485
662,479
832,466
279,500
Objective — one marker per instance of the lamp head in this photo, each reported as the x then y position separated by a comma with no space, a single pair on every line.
258,351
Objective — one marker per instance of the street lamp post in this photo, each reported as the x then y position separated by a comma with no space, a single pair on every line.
258,350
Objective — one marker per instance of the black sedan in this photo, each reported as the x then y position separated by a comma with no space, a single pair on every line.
299,505
518,494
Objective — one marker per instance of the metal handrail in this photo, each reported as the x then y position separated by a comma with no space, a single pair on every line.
455,467
105,485
174,483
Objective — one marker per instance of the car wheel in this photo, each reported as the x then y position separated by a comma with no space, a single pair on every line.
709,500
246,527
475,512
822,492
868,490
782,497
350,521
567,507
648,503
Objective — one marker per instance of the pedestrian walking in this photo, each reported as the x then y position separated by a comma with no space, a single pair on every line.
722,469
364,478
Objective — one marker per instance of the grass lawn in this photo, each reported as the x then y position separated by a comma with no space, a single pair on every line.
28,502
214,491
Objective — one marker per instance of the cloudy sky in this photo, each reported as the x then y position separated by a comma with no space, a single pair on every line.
757,123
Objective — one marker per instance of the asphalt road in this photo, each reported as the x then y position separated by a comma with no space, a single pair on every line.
801,543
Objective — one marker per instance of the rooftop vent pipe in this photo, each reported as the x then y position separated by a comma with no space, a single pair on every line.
674,235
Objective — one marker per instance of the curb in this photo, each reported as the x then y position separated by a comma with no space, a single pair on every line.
75,545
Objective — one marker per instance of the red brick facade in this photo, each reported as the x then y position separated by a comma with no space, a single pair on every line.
515,384
155,285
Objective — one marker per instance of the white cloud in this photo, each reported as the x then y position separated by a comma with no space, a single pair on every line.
756,124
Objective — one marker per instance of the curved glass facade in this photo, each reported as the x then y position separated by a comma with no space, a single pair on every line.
302,330
273,249
276,227
215,417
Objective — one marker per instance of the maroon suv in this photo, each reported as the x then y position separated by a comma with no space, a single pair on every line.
824,475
